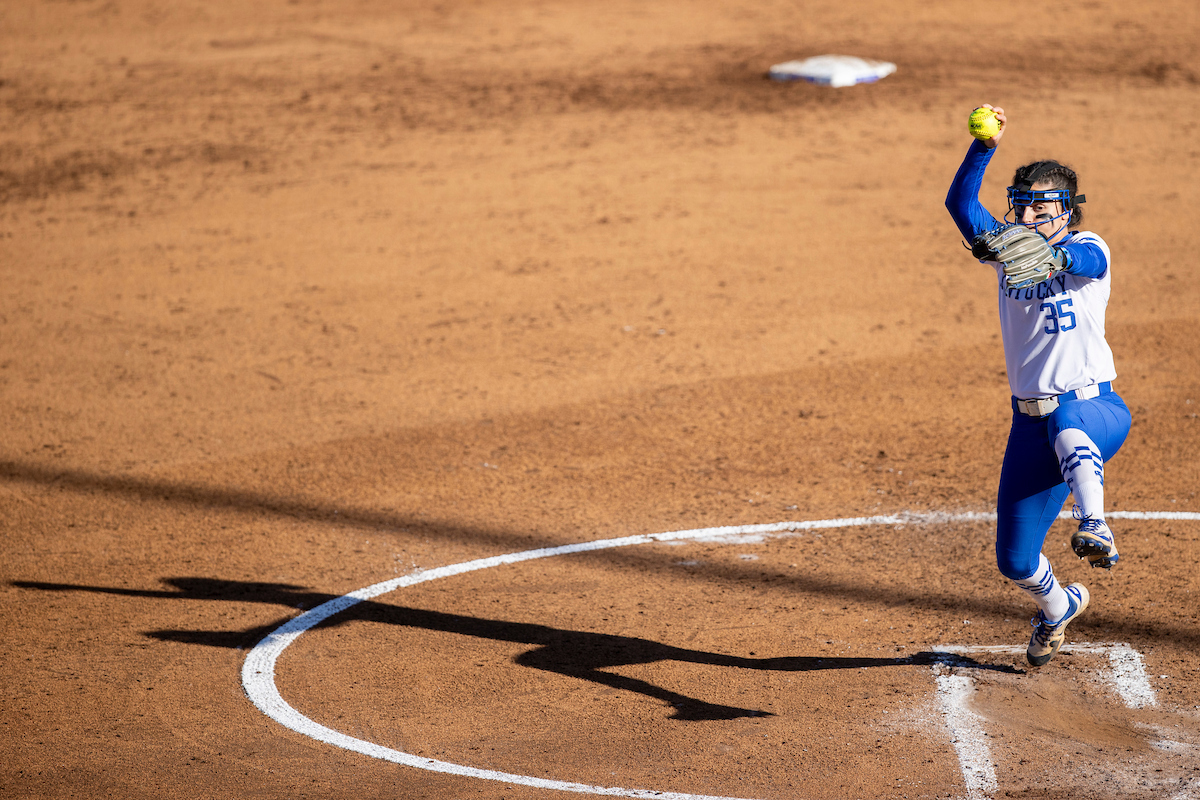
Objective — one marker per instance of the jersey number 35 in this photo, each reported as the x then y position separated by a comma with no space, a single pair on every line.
1059,317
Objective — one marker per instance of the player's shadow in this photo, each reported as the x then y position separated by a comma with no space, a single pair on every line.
577,654
223,499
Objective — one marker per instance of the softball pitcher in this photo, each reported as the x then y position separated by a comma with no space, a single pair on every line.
1053,284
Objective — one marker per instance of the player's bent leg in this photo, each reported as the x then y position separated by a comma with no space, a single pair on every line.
1085,434
1083,471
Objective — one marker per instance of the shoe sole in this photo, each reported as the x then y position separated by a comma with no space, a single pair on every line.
1084,598
1097,553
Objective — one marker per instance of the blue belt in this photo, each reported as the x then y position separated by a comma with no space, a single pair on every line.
1043,406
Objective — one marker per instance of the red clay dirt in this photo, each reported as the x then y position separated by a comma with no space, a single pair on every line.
299,297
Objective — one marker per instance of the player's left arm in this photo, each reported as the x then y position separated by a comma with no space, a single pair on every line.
1085,257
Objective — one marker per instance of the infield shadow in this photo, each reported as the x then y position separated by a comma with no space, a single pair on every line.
347,516
584,655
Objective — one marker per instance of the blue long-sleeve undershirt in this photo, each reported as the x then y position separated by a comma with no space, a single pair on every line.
1083,258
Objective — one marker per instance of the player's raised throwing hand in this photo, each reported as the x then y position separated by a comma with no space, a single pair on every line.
1000,118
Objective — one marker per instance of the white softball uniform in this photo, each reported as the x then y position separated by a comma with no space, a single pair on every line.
1054,331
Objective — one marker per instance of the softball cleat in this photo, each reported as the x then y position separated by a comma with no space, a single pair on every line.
1094,541
1048,636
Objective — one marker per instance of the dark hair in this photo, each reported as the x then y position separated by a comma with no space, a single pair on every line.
1058,176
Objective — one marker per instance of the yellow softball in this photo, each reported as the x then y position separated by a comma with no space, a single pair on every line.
983,124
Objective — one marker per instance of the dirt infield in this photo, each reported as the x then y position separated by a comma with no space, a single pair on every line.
301,297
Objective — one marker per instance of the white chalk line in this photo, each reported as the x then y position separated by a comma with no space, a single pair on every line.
1127,676
966,734
258,671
